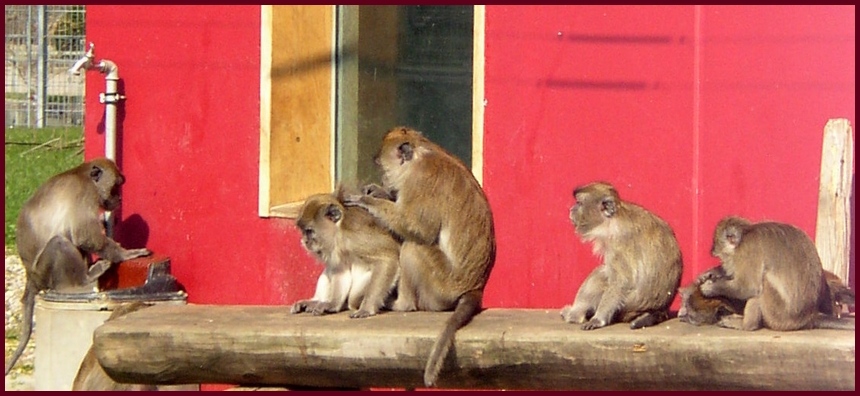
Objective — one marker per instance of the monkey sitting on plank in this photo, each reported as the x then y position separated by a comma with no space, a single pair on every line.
361,257
59,227
696,309
775,268
641,268
439,210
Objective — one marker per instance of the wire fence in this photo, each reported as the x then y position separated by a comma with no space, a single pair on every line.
42,43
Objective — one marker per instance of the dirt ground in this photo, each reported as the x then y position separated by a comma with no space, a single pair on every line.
21,377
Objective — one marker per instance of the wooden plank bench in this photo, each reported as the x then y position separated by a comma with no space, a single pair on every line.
499,349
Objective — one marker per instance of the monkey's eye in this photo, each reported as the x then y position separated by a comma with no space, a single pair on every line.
309,232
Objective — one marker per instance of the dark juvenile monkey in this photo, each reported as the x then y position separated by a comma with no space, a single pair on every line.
696,309
361,257
776,269
641,268
59,227
839,295
444,219
92,377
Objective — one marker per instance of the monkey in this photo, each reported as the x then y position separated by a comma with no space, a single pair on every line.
92,377
443,217
361,258
58,229
839,294
641,268
696,309
775,268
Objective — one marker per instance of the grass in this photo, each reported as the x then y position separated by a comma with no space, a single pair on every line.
33,156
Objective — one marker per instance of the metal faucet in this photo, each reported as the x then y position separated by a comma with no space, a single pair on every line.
84,63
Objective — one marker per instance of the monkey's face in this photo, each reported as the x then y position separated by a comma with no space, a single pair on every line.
108,179
400,147
595,205
727,236
318,222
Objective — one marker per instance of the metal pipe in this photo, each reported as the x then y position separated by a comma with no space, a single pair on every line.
110,98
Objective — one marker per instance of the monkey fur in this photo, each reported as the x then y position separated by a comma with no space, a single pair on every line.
641,268
775,268
92,377
442,215
59,227
696,309
361,257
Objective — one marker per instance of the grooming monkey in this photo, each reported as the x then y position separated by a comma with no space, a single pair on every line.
696,309
641,268
92,377
444,219
361,257
776,269
59,227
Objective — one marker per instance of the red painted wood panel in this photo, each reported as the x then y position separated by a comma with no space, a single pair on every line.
694,113
189,146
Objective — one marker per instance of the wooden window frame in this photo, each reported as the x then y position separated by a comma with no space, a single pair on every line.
298,101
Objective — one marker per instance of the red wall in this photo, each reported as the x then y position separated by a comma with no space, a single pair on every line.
694,113
190,149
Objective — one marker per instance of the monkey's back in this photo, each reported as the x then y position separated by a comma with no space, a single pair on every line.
57,204
466,234
792,273
655,257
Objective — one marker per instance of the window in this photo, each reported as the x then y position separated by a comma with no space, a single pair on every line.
334,79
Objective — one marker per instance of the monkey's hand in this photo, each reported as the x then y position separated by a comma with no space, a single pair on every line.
135,253
712,275
376,191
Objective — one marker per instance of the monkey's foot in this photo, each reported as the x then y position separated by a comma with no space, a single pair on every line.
571,315
594,323
362,313
733,321
312,306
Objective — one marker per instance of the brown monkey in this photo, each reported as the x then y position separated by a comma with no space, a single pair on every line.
775,268
444,219
361,257
697,309
92,377
58,229
641,268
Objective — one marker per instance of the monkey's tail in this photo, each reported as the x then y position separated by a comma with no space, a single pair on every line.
28,301
829,322
468,305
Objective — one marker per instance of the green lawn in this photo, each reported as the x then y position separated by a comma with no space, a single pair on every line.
32,156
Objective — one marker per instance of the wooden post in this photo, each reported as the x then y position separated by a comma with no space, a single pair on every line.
833,227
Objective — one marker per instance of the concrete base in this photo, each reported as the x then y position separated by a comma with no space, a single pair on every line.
64,335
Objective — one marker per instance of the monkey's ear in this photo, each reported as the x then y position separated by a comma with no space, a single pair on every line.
96,173
607,207
333,213
406,152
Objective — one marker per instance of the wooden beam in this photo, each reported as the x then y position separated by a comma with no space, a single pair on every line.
833,226
499,349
